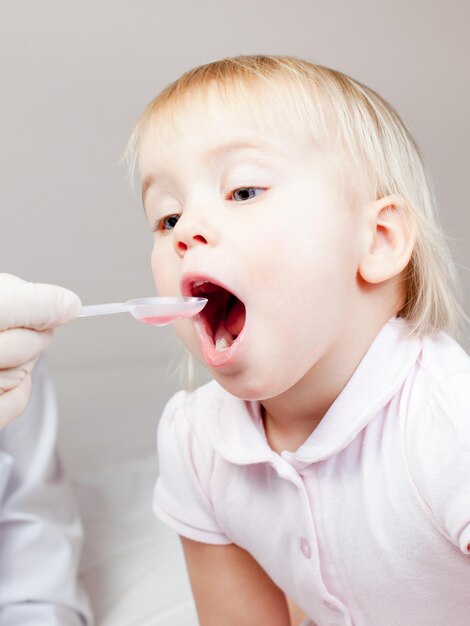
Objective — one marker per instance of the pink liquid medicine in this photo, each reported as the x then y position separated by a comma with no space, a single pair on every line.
162,320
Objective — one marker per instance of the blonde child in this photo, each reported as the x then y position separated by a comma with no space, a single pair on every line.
328,462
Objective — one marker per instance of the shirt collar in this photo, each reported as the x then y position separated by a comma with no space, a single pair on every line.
237,431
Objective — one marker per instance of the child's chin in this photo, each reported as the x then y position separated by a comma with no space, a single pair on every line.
245,385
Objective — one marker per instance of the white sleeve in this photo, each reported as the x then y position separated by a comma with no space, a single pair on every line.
40,532
439,457
182,492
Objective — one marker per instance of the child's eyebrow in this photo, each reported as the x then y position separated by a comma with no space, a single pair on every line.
233,146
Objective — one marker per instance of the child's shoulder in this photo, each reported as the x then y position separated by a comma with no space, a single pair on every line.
438,416
438,407
438,436
180,424
195,410
443,359
189,424
200,401
441,395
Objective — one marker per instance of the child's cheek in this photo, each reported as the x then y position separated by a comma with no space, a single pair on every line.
165,282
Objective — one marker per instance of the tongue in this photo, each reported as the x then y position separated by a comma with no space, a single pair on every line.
236,319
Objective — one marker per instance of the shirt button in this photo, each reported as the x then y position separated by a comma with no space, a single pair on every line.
305,547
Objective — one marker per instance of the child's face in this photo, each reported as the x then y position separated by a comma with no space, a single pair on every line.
285,243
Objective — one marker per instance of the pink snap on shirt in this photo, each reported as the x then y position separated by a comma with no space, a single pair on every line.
368,522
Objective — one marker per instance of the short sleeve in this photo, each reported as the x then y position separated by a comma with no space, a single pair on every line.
439,457
181,495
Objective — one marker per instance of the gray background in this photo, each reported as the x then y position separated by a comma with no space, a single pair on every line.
74,78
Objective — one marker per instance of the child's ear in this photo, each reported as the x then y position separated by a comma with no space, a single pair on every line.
389,239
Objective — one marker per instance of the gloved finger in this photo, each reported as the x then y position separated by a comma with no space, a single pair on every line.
14,376
35,305
14,402
19,345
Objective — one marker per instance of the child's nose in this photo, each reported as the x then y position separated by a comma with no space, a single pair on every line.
188,234
182,246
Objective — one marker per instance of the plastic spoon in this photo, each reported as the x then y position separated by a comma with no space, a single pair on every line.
155,311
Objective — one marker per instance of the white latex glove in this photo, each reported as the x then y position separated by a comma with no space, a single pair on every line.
28,314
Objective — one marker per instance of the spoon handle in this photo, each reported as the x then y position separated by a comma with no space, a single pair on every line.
104,309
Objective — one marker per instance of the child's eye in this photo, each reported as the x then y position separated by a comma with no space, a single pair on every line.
245,193
165,223
168,222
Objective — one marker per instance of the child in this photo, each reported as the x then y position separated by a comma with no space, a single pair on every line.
328,462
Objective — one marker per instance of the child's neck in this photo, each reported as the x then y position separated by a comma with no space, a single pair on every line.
290,418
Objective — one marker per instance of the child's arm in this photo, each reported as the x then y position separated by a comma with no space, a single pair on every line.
230,588
297,616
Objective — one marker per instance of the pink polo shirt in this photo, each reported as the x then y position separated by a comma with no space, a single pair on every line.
368,522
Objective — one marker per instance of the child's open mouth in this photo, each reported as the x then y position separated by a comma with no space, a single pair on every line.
223,316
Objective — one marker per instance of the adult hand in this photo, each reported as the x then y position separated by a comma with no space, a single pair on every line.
28,314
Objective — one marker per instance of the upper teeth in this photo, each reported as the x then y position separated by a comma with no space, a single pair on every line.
198,283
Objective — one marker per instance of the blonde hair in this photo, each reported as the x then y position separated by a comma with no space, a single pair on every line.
360,125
